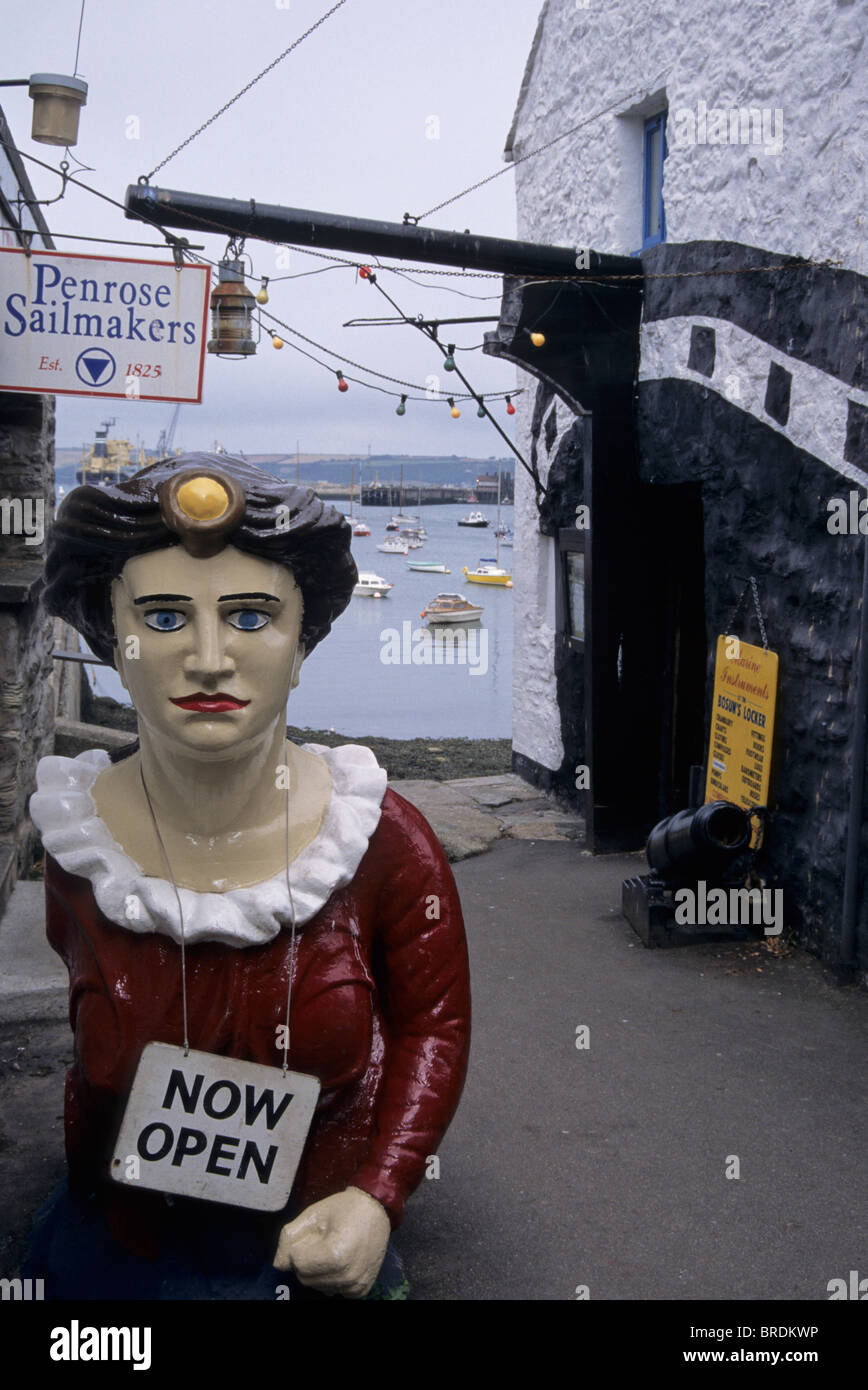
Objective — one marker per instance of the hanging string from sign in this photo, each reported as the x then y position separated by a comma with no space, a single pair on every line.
293,927
180,908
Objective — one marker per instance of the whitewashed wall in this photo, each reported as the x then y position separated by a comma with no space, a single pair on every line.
536,721
799,187
806,59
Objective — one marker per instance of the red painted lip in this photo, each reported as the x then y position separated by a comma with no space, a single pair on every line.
210,704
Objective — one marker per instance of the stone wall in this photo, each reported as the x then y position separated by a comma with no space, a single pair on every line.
605,69
26,632
753,380
752,385
610,65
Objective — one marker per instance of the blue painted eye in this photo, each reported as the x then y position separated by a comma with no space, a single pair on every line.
165,620
248,619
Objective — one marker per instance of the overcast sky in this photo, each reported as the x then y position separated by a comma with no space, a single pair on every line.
341,125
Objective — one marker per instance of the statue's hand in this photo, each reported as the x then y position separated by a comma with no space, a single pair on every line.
337,1245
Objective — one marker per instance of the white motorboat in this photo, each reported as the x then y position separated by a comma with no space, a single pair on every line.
372,586
474,519
394,546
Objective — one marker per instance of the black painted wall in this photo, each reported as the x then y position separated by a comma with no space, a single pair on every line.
764,508
711,495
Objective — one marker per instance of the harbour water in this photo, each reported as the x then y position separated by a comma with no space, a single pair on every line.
378,670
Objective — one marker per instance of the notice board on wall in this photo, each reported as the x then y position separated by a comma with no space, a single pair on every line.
742,724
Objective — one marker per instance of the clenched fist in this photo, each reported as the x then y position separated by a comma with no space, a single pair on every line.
337,1245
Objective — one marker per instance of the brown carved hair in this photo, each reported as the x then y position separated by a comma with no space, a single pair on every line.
97,529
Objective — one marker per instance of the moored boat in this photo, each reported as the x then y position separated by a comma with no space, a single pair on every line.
372,586
452,608
473,519
394,546
428,566
488,572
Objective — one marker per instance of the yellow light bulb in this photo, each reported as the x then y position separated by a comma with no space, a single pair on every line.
538,339
277,342
262,297
202,499
455,412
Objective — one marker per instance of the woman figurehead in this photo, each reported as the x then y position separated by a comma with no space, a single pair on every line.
203,503
205,581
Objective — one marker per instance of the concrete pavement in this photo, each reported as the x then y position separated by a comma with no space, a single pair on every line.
605,1166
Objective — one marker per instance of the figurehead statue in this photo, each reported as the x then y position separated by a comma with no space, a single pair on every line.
221,890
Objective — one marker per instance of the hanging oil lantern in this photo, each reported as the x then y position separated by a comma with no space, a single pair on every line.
231,313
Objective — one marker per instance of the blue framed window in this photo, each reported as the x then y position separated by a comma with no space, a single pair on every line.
654,153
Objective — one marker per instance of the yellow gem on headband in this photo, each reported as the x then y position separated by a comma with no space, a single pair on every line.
202,499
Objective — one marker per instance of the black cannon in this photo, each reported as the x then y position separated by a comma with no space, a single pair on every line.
711,845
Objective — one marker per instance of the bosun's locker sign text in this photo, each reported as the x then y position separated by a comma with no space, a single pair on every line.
742,725
213,1127
75,325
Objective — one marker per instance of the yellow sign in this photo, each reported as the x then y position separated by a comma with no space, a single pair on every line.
742,724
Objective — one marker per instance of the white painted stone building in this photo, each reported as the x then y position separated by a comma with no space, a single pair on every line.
751,395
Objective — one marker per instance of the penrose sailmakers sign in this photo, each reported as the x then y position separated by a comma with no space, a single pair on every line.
76,325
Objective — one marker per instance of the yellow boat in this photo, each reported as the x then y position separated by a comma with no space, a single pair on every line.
488,572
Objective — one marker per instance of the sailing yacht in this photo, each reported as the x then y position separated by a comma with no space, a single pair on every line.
489,570
360,528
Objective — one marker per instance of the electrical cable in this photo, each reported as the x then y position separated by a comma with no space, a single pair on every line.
113,241
430,332
414,386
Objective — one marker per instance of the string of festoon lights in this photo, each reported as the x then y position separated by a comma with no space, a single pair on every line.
343,380
429,328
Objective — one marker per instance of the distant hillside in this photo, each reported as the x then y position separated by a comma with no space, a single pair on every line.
332,468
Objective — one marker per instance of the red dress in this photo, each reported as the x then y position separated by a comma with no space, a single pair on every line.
380,1014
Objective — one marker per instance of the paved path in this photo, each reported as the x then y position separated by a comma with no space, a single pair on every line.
604,1166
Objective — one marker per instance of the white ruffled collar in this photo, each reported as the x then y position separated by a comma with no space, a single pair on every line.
64,812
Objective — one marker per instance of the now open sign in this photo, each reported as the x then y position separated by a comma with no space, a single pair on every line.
213,1127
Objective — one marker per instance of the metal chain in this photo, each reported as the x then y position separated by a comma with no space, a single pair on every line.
238,95
759,615
752,585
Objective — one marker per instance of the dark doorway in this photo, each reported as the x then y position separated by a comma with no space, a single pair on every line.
667,654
